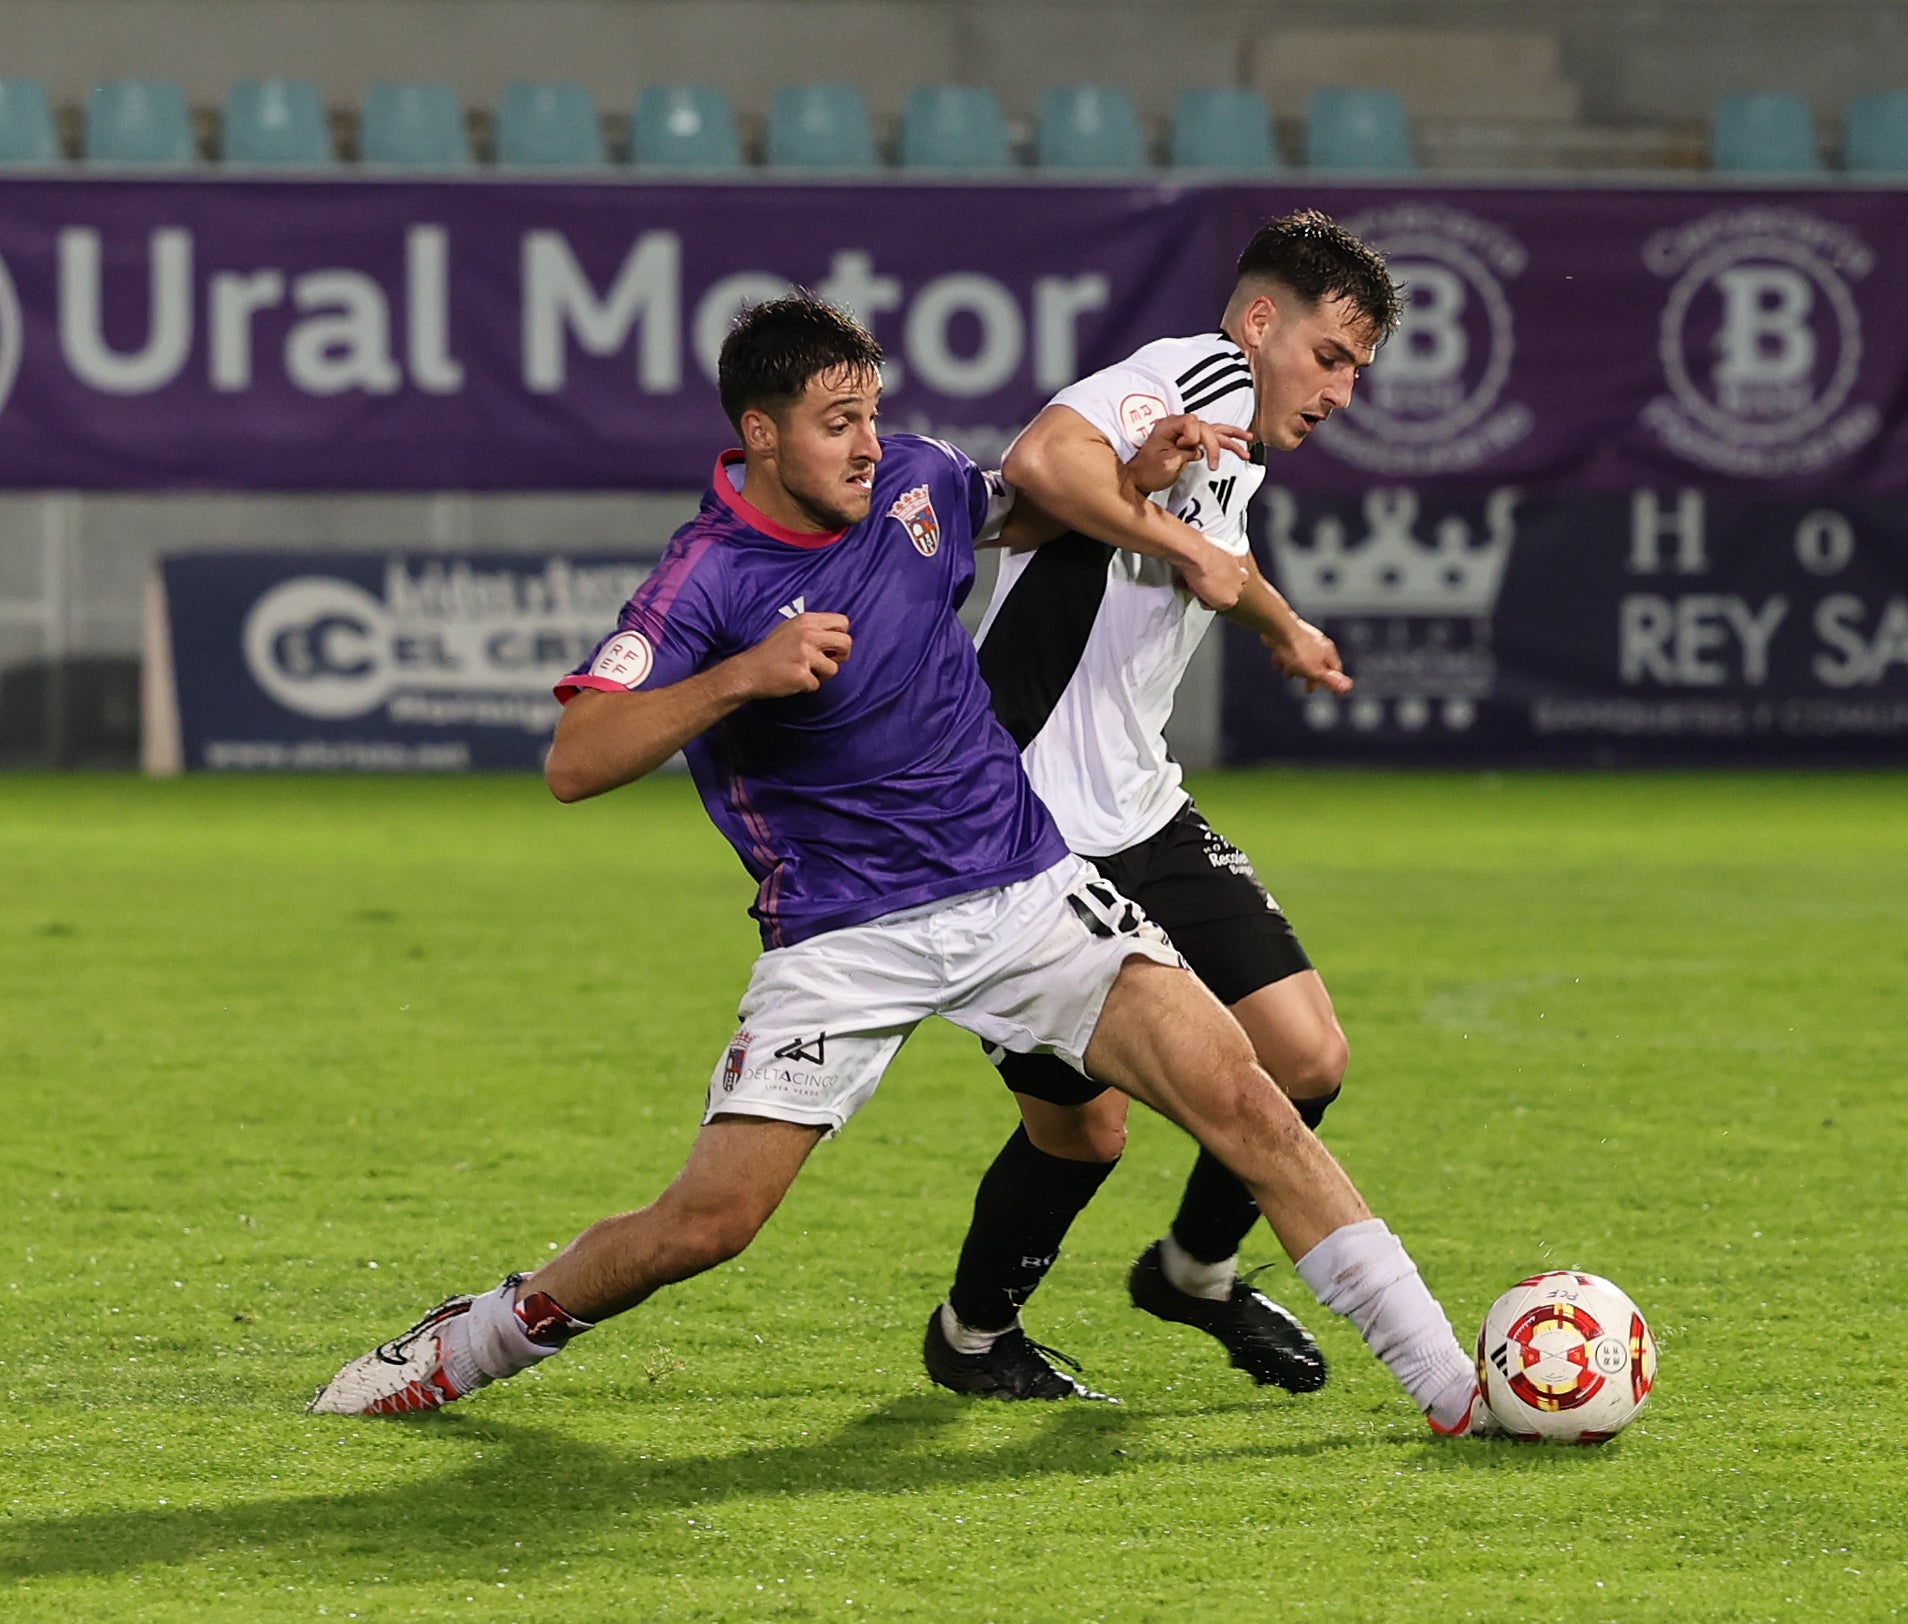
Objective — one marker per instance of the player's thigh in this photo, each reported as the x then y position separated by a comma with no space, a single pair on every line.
1093,1132
1295,1033
1163,1038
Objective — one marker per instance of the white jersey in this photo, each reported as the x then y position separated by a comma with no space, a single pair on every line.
1084,644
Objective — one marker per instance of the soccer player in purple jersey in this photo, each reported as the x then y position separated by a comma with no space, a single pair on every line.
799,642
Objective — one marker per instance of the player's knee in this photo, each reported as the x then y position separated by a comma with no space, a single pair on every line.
1089,1138
1319,1068
700,1236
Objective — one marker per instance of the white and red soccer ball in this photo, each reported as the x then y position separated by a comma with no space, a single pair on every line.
1566,1357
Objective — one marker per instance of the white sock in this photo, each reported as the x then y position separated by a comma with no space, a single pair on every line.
497,1344
963,1338
1363,1272
1186,1273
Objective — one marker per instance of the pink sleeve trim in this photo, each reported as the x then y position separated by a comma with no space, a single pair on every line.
574,684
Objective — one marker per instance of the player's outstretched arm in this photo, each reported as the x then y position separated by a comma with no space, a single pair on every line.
1299,649
604,740
1069,467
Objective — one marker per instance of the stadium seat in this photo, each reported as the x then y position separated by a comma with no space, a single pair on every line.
28,134
1875,139
954,127
550,126
1358,129
1768,133
820,127
684,127
139,121
414,126
275,121
1089,127
1223,129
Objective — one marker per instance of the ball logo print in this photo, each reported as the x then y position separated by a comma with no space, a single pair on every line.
1432,401
1760,342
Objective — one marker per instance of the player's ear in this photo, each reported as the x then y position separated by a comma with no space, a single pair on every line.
758,432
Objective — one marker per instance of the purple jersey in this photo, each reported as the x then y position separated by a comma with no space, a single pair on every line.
890,786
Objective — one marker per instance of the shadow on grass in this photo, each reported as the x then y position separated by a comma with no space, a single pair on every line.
515,1479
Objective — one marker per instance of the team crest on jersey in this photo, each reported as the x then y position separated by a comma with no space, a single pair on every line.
626,658
916,512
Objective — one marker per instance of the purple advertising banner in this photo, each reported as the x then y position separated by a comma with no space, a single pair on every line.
494,336
485,335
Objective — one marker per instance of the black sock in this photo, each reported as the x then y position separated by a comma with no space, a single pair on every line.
1025,1204
1217,1211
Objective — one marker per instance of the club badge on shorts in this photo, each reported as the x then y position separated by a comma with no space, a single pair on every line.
916,512
734,1060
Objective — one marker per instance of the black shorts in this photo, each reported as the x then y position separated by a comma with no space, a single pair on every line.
1200,889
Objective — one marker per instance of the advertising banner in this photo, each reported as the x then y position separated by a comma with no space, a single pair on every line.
1585,628
491,335
380,662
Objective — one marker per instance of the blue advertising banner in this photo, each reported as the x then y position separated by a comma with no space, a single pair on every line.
380,662
1665,626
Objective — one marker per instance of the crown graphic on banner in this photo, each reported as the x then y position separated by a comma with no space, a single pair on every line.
1390,570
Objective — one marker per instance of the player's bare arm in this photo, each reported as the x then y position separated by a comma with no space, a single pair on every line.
1070,468
605,740
1299,649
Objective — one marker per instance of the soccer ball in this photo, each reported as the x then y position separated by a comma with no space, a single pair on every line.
1565,1356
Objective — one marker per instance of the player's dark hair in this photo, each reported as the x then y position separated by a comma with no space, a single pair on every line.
1318,259
774,349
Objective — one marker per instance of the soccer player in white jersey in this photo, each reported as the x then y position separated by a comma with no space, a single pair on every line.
1083,645
800,643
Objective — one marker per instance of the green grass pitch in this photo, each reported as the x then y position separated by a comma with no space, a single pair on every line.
286,1061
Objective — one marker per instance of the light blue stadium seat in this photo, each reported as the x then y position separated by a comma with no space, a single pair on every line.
275,121
139,121
1223,129
28,134
549,125
1089,127
414,125
1766,133
1356,128
684,127
954,127
820,127
1875,139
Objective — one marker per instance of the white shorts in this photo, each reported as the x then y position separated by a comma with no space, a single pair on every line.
1024,966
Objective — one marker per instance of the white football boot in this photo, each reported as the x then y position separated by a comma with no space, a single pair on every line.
424,1369
1477,1422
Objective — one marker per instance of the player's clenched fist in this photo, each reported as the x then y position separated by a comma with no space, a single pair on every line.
799,655
1213,575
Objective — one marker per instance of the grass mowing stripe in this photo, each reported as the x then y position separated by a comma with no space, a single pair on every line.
285,1060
